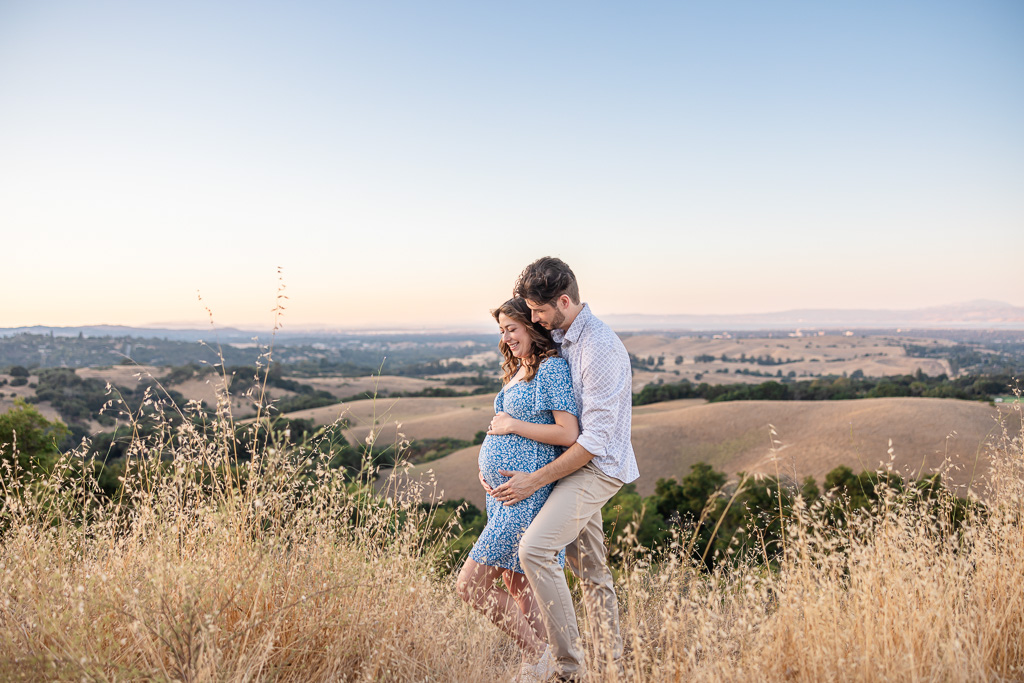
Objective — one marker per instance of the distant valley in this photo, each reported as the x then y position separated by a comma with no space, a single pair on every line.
435,390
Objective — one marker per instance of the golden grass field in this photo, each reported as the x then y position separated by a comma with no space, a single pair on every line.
816,437
293,573
196,576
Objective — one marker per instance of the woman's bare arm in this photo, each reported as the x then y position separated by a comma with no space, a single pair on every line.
563,433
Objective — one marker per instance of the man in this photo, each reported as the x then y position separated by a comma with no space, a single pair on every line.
588,473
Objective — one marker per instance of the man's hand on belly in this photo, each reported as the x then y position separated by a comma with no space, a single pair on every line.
520,486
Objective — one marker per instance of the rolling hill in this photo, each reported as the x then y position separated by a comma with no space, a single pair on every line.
815,437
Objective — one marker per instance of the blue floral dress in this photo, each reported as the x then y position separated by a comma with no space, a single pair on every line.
533,401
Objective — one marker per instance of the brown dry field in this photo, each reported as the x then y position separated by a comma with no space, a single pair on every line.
203,389
24,392
815,436
460,417
200,389
45,408
347,387
874,356
484,357
123,375
426,415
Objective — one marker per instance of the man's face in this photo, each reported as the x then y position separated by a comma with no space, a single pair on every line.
550,316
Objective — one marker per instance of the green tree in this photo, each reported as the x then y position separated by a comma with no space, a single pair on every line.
682,503
626,512
28,436
761,511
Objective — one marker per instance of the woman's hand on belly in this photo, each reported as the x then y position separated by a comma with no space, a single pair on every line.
502,423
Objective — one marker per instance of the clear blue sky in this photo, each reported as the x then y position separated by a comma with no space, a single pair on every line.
403,161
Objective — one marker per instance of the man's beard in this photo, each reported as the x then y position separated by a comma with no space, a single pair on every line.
556,322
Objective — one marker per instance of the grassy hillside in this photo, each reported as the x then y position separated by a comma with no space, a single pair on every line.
287,571
460,417
816,437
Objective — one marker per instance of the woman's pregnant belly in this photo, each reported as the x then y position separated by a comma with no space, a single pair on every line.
509,452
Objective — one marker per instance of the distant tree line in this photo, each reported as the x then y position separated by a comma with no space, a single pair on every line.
484,383
764,359
995,358
434,367
426,392
426,450
970,388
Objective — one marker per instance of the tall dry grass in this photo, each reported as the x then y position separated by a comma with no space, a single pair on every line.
209,568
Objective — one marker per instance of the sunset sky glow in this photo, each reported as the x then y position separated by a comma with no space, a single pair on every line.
402,161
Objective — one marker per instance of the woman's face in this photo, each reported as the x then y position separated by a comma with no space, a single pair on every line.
515,334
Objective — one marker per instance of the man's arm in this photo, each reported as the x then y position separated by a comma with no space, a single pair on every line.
522,485
607,389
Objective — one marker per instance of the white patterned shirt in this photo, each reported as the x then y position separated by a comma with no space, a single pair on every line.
603,386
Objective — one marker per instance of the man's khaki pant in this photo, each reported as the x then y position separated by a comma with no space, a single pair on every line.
571,519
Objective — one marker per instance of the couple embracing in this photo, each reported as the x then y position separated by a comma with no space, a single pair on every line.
557,449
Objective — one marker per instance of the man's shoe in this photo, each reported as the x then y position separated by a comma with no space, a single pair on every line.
559,678
539,672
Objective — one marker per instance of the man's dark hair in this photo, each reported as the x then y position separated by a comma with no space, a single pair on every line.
546,279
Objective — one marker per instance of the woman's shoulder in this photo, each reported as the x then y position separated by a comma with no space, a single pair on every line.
554,366
554,363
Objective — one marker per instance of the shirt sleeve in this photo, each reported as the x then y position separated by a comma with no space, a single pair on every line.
554,386
606,380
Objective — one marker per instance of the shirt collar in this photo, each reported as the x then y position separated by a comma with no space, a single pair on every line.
577,327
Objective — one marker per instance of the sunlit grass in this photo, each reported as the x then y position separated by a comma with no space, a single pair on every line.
206,567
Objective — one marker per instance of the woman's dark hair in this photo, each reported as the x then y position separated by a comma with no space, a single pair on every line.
542,345
546,279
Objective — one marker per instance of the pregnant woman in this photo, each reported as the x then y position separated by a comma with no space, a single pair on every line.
535,419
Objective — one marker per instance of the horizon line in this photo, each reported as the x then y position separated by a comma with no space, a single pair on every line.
696,318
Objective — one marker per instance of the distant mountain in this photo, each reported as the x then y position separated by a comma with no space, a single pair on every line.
232,335
967,315
980,314
226,334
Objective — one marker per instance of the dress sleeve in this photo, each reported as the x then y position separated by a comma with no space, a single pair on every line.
554,386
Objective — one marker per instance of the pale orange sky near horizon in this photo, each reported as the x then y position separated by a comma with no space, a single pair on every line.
460,297
402,163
